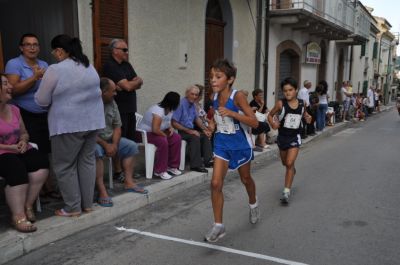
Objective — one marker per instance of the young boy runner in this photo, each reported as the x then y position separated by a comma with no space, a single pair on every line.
232,149
291,111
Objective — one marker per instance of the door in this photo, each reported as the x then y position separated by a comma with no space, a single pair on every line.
110,21
285,70
214,45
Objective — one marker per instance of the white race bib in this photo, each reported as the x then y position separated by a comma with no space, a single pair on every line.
292,121
225,124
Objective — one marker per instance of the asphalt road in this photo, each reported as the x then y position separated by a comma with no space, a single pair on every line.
344,210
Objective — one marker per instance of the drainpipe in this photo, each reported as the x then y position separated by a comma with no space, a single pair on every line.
351,62
266,49
258,45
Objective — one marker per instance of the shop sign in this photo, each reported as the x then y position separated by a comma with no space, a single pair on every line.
313,53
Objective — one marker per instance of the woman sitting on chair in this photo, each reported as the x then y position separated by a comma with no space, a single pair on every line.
24,169
157,123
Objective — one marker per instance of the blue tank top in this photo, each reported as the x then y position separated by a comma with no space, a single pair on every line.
232,141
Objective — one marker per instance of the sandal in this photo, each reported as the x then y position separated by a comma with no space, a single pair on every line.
105,202
63,213
137,189
30,215
23,225
87,210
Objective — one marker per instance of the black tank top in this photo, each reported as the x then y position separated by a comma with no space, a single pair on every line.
290,119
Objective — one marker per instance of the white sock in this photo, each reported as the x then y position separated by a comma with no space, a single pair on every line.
218,224
286,190
252,206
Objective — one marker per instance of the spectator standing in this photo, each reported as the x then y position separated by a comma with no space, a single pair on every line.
110,143
346,98
121,72
371,100
184,120
304,94
71,90
322,90
24,74
23,167
156,123
259,107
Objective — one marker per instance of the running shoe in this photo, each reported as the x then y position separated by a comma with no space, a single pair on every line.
174,171
216,232
163,175
285,197
254,215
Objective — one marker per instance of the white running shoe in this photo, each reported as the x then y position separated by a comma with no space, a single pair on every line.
216,232
254,215
163,175
174,171
285,197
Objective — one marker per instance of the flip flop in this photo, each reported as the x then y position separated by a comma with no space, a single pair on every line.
137,189
105,202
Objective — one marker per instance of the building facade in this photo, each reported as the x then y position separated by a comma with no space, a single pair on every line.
172,43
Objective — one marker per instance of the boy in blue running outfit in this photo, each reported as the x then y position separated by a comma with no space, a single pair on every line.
291,112
232,148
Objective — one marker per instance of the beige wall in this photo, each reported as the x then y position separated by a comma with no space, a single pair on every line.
85,27
157,29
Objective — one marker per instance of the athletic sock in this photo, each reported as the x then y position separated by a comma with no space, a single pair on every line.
254,205
286,190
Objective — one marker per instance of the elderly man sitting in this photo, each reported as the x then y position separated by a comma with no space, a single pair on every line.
110,143
184,119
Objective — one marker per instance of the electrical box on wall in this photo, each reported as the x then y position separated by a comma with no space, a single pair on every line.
183,55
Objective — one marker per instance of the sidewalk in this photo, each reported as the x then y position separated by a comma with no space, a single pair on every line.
52,228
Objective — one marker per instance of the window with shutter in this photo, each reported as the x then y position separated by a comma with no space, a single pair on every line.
375,51
109,22
362,50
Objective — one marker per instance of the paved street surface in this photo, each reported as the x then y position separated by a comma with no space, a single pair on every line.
345,210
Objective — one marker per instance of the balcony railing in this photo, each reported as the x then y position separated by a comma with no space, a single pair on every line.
338,12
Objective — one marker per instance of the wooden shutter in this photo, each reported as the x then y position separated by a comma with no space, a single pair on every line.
1,56
110,21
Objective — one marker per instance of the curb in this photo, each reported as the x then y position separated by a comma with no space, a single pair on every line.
14,244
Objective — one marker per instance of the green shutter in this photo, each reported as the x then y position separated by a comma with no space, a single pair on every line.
365,87
375,52
363,50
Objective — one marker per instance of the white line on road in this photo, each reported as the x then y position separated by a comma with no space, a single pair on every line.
206,245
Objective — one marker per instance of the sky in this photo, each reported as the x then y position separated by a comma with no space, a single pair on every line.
388,9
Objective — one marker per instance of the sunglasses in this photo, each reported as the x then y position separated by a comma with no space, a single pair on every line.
122,49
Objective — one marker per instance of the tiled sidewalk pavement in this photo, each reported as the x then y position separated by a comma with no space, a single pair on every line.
52,228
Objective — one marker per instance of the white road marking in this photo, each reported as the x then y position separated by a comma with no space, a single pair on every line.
206,245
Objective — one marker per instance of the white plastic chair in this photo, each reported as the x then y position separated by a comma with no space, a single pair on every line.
150,150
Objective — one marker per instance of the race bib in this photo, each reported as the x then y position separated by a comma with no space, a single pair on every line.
292,121
225,124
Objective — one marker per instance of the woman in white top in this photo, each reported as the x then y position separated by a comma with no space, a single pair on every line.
157,123
322,91
71,91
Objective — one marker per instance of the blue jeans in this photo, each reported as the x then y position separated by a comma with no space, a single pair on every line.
321,116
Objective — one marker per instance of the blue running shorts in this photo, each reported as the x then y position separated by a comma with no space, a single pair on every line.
236,158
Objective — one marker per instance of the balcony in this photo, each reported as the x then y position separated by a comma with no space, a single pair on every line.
333,19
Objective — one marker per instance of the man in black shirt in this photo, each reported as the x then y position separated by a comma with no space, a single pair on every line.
119,70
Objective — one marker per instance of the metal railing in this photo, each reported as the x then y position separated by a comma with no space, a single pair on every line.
338,12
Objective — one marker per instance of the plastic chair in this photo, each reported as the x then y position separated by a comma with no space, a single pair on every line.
150,150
